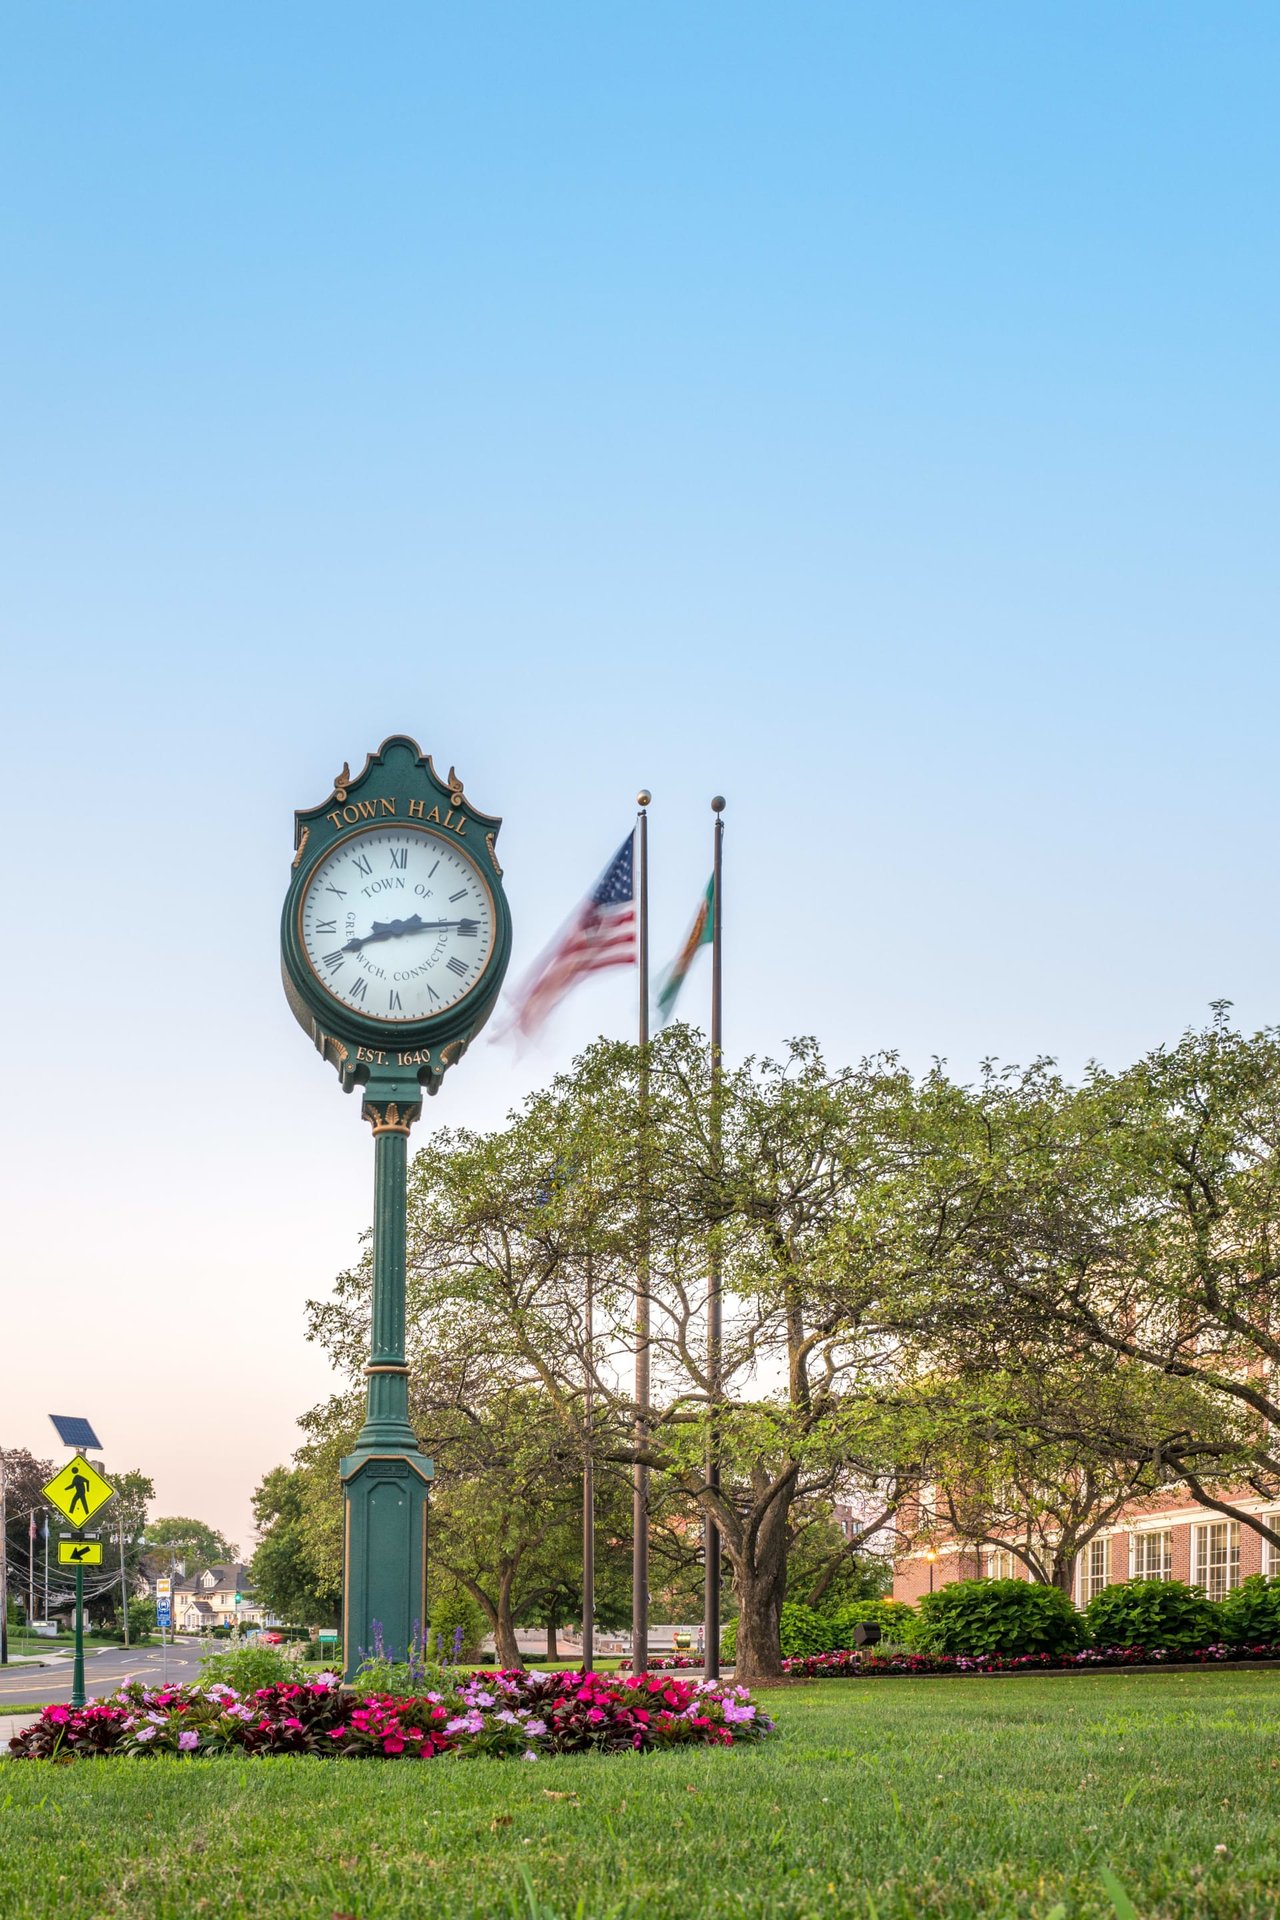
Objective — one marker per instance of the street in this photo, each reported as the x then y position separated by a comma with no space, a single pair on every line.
104,1670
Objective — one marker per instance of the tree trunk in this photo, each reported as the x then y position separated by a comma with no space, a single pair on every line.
504,1632
758,1556
759,1650
553,1650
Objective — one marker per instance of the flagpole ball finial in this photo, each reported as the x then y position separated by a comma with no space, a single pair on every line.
644,797
717,805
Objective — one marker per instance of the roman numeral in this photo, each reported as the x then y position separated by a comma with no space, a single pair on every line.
334,959
363,864
459,967
399,856
468,929
431,990
358,988
326,926
433,869
454,898
393,1001
340,891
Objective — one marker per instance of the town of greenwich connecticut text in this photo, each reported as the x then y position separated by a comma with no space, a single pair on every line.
645,643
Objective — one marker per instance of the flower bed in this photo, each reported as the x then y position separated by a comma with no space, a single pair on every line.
674,1663
865,1666
505,1715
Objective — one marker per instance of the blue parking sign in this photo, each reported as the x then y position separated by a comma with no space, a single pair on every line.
162,1613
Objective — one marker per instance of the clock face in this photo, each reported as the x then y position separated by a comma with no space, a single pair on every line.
397,923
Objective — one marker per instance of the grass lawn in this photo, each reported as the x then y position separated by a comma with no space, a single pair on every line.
889,1799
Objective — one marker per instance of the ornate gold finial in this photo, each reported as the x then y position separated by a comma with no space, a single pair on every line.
389,1119
644,797
342,782
488,840
455,789
302,846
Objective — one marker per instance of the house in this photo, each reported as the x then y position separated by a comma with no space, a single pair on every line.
214,1596
1171,1537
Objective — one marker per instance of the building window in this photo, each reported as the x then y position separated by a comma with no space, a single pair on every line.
1093,1571
1003,1566
1270,1553
1216,1565
1152,1557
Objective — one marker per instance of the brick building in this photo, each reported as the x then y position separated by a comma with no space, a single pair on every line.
1168,1539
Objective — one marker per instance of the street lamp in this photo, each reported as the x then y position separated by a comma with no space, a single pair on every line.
930,1555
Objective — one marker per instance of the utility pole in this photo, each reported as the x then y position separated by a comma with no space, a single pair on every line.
124,1584
4,1561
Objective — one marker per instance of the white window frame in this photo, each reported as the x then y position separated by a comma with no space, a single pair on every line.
1094,1564
1140,1554
1003,1565
1271,1554
1215,1557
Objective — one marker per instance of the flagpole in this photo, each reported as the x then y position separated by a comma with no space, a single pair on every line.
710,1532
640,1472
588,1485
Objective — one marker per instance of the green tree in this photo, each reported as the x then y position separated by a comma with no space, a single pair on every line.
282,1574
192,1540
615,1172
1138,1216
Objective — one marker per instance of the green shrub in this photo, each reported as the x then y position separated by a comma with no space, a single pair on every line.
1152,1613
998,1616
895,1618
247,1667
803,1630
1250,1613
453,1608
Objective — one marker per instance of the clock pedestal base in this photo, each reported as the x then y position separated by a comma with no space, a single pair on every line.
384,1582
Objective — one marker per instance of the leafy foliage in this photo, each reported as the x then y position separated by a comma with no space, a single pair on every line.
1251,1611
247,1667
453,1609
191,1540
284,1576
998,1616
1154,1613
895,1618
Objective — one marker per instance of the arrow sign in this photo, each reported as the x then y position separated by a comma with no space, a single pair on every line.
79,1553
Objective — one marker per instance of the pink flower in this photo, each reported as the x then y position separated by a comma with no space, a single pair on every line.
393,1744
58,1715
188,1740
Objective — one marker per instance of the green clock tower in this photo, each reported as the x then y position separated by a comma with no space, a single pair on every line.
394,943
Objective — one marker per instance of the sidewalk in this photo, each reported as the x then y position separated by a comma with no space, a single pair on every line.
11,1723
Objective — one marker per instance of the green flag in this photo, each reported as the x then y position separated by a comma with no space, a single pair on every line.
700,934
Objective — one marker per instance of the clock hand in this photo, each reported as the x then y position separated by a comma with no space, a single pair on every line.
391,930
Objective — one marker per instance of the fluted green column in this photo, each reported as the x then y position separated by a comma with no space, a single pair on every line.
386,1477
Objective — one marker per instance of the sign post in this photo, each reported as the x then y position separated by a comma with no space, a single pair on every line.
78,1492
164,1620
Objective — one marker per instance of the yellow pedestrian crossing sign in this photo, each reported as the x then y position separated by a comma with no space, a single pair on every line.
79,1491
79,1553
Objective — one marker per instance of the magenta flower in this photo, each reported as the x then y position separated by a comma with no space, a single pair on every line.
188,1740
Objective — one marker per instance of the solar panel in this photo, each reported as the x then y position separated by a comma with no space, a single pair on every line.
75,1432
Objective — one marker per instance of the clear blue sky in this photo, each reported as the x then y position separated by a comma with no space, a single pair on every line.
868,412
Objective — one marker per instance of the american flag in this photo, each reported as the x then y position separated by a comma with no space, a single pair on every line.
602,933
